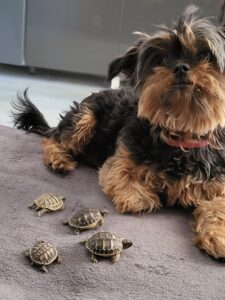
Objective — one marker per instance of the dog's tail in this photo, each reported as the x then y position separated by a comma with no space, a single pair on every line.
26,116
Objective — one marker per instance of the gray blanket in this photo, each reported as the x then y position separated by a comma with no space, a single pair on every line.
162,264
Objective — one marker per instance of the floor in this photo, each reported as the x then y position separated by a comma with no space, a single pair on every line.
52,92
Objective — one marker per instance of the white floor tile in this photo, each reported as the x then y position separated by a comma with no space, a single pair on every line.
51,92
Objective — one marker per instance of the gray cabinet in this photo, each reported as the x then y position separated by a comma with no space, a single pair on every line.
72,35
82,35
148,13
12,35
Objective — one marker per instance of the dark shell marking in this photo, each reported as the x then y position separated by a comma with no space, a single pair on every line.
43,253
104,244
49,201
86,218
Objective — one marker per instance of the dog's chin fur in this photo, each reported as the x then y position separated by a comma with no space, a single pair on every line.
196,107
193,103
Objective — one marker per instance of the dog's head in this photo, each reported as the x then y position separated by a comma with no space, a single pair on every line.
178,74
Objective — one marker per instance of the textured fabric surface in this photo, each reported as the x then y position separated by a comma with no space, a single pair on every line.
162,264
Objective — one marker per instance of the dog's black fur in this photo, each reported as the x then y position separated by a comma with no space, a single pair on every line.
164,134
116,115
116,111
112,109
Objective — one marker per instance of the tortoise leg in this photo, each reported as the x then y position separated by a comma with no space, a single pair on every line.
45,269
27,253
94,258
62,208
65,222
76,231
116,257
83,242
100,223
59,259
42,211
33,205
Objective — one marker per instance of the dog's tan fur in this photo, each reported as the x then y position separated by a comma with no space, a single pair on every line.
84,124
179,96
209,226
132,188
135,188
56,157
189,117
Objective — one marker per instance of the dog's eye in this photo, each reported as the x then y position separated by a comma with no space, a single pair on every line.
165,61
206,56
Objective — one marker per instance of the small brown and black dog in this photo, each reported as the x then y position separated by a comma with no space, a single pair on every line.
165,134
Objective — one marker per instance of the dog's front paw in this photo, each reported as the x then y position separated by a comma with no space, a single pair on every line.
56,158
136,204
60,163
209,227
212,241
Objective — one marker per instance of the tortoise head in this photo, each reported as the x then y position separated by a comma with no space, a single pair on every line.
126,243
104,212
40,242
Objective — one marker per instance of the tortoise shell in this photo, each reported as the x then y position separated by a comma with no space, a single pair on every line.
86,218
104,244
43,253
50,201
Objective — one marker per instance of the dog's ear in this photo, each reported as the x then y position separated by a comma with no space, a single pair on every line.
127,62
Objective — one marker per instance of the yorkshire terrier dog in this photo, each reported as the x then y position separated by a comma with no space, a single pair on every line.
164,135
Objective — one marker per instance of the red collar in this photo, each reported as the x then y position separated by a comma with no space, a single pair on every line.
187,145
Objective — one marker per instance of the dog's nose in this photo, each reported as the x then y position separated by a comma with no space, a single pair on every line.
181,69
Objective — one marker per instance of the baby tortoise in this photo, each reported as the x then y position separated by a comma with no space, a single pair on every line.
43,254
88,218
48,202
106,244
